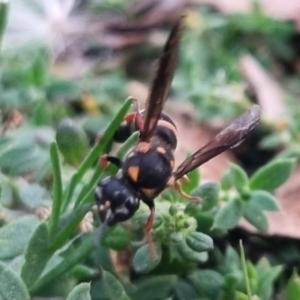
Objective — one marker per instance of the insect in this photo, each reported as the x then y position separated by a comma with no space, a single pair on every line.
149,168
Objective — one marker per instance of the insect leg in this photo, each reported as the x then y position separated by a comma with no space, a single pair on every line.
184,179
135,116
147,229
176,186
105,159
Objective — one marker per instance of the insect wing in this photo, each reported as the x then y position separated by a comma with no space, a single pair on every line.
162,82
229,137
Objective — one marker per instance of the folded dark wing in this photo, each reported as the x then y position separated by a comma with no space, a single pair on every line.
229,137
162,81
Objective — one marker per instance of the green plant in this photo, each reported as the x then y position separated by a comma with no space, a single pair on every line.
47,239
183,232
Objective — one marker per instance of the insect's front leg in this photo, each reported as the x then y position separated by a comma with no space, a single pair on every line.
105,159
135,116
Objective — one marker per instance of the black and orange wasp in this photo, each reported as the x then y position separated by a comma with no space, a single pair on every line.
148,169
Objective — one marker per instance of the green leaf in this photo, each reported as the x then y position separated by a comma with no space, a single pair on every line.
272,175
293,288
15,235
241,296
271,141
233,280
207,283
209,192
57,188
189,254
113,287
205,220
20,159
38,69
143,262
31,195
184,291
11,285
266,276
74,257
80,292
156,287
198,242
263,200
244,266
117,238
193,182
6,194
68,224
231,261
36,255
255,217
226,182
239,178
72,142
4,5
228,216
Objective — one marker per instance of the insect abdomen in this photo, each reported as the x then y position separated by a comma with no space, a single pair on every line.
150,171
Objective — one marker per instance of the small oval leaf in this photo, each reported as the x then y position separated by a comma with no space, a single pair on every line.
143,262
11,285
113,287
239,178
15,235
72,141
156,287
256,217
80,292
198,241
263,200
208,283
228,216
226,182
272,175
193,181
36,255
31,195
209,192
117,239
189,254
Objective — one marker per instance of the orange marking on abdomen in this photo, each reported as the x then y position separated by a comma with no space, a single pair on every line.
168,125
161,150
133,173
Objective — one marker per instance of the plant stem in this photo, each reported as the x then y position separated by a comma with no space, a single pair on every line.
57,188
66,232
243,259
